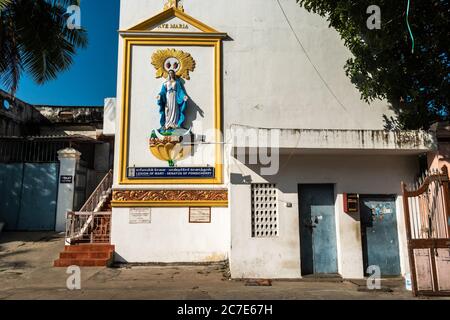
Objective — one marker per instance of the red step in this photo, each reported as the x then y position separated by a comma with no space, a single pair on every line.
86,255
82,262
89,247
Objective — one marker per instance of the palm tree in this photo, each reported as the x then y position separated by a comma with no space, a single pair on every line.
3,3
34,38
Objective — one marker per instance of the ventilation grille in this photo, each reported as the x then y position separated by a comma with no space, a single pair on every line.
264,210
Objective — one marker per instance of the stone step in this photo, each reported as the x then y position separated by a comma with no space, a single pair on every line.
82,262
89,248
85,255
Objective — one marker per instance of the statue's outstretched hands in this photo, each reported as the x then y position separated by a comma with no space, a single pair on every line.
158,97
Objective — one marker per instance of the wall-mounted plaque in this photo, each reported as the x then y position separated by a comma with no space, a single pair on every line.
200,215
174,172
140,216
66,179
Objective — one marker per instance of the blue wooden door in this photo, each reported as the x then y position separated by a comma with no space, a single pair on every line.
11,176
39,196
317,229
380,235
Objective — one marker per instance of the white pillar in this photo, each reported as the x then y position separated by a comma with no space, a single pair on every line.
68,159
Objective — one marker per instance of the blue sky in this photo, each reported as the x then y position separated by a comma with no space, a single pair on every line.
93,75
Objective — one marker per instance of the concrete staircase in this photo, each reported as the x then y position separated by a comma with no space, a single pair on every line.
88,232
86,255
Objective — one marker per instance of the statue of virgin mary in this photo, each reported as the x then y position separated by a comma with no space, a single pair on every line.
172,101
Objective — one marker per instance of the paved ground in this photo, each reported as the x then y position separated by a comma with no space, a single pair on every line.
26,272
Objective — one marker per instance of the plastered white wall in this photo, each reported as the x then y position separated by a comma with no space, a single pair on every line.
280,257
170,237
109,116
268,79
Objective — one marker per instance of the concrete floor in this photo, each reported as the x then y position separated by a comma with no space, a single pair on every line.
26,272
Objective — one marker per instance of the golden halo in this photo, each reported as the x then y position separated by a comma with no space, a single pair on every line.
187,63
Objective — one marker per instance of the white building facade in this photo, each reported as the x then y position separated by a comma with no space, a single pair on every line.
276,164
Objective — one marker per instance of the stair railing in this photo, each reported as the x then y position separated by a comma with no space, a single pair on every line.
85,224
96,197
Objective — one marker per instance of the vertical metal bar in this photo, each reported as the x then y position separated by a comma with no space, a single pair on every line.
33,147
2,147
16,152
39,152
408,237
419,215
445,187
442,213
45,151
433,267
20,151
25,151
413,224
42,147
416,217
36,152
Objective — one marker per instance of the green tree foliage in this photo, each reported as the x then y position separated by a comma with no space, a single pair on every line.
34,38
383,66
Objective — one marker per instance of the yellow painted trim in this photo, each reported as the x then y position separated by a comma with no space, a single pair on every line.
172,35
124,132
131,204
172,13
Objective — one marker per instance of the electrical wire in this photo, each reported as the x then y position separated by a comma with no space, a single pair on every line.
309,58
409,27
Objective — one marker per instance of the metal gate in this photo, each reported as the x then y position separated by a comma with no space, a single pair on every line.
427,218
28,196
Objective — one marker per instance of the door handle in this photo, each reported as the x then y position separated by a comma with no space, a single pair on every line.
309,223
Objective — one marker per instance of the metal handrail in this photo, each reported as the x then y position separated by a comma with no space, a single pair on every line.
80,226
94,199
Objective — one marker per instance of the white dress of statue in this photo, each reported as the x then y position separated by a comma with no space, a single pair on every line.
171,105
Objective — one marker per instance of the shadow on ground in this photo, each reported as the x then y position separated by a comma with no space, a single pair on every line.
27,272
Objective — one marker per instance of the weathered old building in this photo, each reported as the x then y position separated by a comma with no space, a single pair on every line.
259,150
31,140
239,137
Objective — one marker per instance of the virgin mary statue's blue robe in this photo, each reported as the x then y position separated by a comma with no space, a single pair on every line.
181,104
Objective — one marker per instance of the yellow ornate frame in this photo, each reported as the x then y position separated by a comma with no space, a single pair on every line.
136,37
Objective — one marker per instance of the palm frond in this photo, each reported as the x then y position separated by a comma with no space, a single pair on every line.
43,45
4,3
